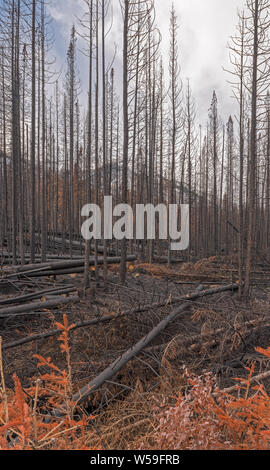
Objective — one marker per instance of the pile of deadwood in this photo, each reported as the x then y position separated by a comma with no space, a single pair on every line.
60,248
59,268
34,302
179,306
46,298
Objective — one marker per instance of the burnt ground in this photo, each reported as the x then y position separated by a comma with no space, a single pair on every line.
218,333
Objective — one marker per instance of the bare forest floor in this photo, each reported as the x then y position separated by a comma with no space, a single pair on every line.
217,334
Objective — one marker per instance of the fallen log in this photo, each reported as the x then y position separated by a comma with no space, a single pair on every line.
51,333
105,319
49,257
121,361
7,287
256,378
6,312
95,321
75,244
164,260
198,294
201,339
38,295
64,241
27,273
66,265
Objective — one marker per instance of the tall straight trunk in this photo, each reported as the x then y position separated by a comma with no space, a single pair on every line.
38,146
117,156
104,133
207,225
152,147
18,135
253,152
78,168
189,159
175,104
71,97
268,173
135,116
161,190
57,160
125,134
23,200
14,143
5,173
215,159
17,217
89,143
96,137
43,138
65,189
33,137
221,186
111,130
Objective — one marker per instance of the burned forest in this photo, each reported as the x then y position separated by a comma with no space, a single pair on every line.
134,225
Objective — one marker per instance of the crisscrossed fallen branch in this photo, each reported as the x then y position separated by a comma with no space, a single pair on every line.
35,306
256,378
107,318
121,361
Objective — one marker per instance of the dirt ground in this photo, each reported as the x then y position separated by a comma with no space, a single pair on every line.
218,333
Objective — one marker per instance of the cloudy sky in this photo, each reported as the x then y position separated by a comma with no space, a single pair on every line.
205,28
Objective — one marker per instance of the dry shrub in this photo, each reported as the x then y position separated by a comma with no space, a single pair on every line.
155,270
188,267
206,418
24,414
199,416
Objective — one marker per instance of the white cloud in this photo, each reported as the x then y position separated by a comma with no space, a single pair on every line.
205,28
